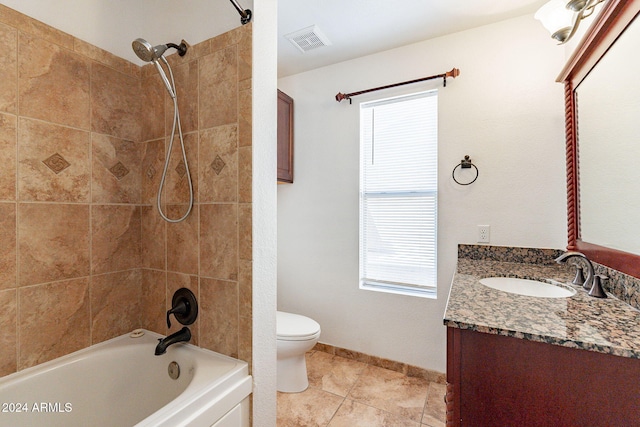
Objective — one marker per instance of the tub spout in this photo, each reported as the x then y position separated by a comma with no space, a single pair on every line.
183,335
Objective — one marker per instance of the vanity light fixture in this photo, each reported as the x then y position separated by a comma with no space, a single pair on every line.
561,17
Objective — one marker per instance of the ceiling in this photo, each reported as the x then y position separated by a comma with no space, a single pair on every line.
354,27
362,27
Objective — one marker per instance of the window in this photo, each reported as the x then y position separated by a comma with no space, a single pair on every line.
399,194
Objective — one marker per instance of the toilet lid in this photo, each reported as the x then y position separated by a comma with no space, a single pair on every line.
292,327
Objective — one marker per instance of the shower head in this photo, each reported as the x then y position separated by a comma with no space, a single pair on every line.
149,53
145,51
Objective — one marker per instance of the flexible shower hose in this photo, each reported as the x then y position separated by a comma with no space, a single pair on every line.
176,124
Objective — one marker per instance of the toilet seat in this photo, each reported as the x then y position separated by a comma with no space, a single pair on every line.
294,327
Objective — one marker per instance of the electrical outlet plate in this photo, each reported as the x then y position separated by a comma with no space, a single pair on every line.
484,233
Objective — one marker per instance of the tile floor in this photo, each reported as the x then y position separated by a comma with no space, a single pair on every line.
347,393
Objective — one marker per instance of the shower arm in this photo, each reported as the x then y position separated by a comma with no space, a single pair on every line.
181,48
245,14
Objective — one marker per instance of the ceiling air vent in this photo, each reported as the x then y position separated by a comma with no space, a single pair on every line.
308,38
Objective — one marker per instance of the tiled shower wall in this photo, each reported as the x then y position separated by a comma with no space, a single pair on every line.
85,256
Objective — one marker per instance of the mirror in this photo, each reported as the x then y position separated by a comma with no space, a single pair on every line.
609,146
602,107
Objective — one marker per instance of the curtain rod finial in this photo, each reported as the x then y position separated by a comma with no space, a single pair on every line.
340,96
453,73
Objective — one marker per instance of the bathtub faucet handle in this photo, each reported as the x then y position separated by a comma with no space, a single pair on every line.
179,309
184,307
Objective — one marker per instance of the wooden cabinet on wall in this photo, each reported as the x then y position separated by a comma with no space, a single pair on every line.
285,137
495,380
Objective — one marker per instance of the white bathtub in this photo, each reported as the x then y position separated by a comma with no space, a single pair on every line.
122,383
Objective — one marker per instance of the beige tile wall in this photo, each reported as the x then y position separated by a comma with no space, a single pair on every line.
83,135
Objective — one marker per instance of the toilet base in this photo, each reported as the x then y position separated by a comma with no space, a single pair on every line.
292,374
295,335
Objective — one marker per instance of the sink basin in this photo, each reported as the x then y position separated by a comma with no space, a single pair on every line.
532,288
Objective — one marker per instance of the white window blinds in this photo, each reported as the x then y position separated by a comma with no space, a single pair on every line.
398,194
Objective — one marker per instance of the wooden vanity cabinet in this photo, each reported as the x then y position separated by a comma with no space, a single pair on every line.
495,380
285,137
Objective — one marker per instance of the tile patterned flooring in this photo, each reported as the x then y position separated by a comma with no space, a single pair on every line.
347,393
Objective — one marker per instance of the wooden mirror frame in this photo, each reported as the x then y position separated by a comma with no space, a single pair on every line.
613,19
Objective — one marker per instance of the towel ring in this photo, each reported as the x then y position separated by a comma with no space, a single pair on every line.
465,164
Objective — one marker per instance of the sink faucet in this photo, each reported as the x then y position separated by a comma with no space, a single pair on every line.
183,335
588,282
592,282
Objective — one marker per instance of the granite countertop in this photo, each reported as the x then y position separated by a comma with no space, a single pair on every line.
606,325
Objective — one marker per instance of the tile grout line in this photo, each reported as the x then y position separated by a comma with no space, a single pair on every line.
347,393
353,385
90,204
337,409
400,367
17,258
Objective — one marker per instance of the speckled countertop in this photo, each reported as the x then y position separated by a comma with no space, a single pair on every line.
604,325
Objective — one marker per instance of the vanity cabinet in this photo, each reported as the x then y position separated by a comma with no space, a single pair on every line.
495,380
285,137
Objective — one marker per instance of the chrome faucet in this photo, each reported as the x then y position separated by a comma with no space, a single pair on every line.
592,282
183,335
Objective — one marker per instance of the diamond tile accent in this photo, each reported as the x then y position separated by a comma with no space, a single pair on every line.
181,169
56,163
151,172
119,171
217,165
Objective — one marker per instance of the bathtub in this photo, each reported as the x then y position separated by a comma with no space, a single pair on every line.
121,382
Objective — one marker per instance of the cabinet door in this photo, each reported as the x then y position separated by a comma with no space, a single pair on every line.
505,381
285,137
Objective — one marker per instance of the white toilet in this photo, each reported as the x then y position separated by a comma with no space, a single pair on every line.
296,335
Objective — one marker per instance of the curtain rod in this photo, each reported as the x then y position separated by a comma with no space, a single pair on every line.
245,14
453,73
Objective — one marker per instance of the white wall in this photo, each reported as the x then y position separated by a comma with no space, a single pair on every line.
504,110
264,119
113,25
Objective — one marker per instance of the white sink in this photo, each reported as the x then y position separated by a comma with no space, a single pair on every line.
532,288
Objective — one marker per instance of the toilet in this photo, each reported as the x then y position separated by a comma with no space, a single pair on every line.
296,335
